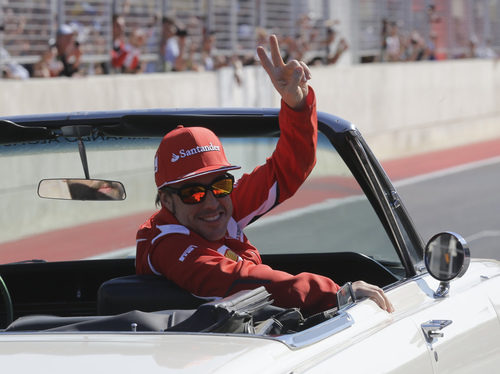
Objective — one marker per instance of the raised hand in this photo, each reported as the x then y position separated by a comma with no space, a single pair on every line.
289,79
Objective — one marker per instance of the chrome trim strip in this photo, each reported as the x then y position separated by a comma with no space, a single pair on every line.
319,332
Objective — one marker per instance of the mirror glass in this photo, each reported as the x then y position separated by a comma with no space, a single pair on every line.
447,256
81,189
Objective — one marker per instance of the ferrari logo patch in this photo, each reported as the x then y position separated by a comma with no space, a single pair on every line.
231,255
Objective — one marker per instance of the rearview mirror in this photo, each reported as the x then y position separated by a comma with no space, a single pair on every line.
81,189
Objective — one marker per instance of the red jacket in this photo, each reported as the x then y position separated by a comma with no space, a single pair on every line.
215,269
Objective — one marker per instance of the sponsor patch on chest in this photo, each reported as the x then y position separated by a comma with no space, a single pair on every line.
187,251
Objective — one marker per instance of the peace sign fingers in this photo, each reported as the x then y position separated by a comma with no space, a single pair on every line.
290,79
275,52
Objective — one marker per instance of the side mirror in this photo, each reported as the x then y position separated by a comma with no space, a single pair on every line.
446,257
81,189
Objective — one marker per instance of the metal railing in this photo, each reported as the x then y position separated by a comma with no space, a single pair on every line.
27,27
456,23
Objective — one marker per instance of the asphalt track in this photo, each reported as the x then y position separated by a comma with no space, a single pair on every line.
457,189
465,200
461,195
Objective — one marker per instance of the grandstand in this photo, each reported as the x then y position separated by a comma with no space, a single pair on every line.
27,27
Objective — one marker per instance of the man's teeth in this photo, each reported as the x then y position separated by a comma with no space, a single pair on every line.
211,218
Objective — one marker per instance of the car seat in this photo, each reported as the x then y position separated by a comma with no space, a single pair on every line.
146,293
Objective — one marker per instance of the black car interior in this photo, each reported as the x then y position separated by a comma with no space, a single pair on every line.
108,287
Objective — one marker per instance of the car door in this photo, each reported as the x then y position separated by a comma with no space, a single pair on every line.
462,330
377,341
409,340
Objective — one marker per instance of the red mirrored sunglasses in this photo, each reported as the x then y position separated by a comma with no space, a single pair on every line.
195,193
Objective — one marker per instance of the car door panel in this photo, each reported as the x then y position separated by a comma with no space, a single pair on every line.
379,342
468,344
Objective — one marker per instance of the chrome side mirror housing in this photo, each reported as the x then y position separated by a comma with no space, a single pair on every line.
446,257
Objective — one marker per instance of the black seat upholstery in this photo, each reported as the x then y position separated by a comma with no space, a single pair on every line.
147,293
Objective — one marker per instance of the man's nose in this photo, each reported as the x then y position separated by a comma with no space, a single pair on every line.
210,200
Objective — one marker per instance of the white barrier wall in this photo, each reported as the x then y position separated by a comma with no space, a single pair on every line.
412,107
400,108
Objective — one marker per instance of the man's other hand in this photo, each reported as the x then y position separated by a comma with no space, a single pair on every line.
363,289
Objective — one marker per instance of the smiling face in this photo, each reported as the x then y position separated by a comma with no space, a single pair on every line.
209,218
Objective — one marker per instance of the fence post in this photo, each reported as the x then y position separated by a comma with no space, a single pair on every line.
210,23
233,25
61,16
2,29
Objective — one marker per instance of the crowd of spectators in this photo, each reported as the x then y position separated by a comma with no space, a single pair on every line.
401,45
166,45
169,45
181,51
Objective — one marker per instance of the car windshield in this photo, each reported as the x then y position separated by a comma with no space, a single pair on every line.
330,213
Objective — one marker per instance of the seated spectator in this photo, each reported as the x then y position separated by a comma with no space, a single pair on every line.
430,52
68,50
184,61
384,33
335,46
48,66
472,47
392,41
487,51
153,39
170,43
416,48
11,69
261,38
209,61
118,52
433,16
237,65
295,47
132,60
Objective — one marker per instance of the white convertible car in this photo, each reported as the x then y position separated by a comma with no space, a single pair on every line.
75,187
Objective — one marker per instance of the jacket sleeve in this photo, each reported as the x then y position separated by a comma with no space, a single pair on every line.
205,272
285,171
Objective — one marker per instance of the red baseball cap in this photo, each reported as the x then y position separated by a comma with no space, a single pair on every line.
188,152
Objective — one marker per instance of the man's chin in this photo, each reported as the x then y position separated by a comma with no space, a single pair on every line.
214,231
214,235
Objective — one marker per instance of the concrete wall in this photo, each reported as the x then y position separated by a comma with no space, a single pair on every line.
400,108
406,108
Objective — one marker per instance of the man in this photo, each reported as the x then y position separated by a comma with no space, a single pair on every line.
335,46
68,50
196,239
118,53
170,43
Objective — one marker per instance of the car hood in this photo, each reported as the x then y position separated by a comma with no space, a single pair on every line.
136,352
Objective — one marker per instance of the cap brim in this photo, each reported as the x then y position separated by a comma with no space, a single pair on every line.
199,173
